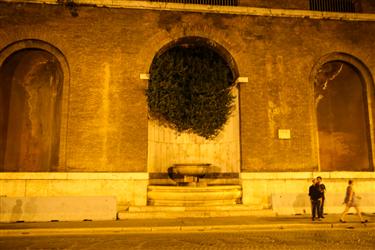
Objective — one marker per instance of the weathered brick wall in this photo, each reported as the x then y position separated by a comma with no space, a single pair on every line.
107,123
279,91
367,6
107,49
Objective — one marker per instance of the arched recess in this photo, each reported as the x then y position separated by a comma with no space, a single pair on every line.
34,81
167,147
343,104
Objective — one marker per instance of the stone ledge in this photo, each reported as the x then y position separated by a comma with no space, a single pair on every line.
233,10
306,175
73,176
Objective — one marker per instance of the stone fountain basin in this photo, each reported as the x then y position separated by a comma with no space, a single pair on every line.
193,169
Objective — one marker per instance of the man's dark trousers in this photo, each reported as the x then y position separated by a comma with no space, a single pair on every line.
321,208
315,208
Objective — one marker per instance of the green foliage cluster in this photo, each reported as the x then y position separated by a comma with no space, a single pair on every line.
189,90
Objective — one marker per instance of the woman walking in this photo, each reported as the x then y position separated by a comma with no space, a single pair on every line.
351,200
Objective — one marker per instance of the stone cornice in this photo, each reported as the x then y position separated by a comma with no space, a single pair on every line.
306,175
232,10
73,176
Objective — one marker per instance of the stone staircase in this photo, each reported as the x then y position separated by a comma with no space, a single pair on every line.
192,202
185,196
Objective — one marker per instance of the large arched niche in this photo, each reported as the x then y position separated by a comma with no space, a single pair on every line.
34,81
224,53
167,147
343,106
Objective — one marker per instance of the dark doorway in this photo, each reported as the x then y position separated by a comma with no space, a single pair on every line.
30,99
342,118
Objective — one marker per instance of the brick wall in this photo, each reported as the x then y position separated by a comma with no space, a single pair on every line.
107,49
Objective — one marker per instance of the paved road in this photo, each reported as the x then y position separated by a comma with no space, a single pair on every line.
275,239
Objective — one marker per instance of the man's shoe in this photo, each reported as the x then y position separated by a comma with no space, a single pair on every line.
364,221
342,221
313,219
322,217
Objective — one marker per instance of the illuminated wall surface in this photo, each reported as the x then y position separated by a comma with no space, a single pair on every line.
72,98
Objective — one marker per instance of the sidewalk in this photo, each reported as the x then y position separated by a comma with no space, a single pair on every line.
301,222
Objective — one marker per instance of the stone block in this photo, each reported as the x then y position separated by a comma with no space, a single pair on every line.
129,188
286,204
39,209
259,188
12,187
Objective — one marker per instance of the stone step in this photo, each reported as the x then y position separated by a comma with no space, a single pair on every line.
239,207
175,196
193,189
152,212
192,203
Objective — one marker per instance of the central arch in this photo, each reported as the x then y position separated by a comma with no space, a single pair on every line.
167,147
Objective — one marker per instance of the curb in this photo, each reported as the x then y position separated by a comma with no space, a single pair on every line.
178,229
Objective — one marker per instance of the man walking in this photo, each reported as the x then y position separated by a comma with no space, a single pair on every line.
315,198
322,189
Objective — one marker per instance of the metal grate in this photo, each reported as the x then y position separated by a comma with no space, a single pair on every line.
206,2
333,5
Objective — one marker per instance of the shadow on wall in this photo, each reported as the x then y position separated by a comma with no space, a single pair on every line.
17,211
290,203
300,202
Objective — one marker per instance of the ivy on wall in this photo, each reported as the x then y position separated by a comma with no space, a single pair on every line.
190,90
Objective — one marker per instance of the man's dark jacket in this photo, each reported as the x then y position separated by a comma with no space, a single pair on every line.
314,192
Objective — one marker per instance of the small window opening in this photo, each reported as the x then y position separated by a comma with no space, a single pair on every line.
205,2
333,5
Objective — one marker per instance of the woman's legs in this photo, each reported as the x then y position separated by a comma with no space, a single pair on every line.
359,212
345,212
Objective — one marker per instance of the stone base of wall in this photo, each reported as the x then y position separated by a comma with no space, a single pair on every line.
129,189
287,192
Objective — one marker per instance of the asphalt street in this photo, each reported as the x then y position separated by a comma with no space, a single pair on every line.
357,238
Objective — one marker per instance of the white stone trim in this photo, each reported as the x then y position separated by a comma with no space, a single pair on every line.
233,10
242,79
144,76
74,176
306,175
